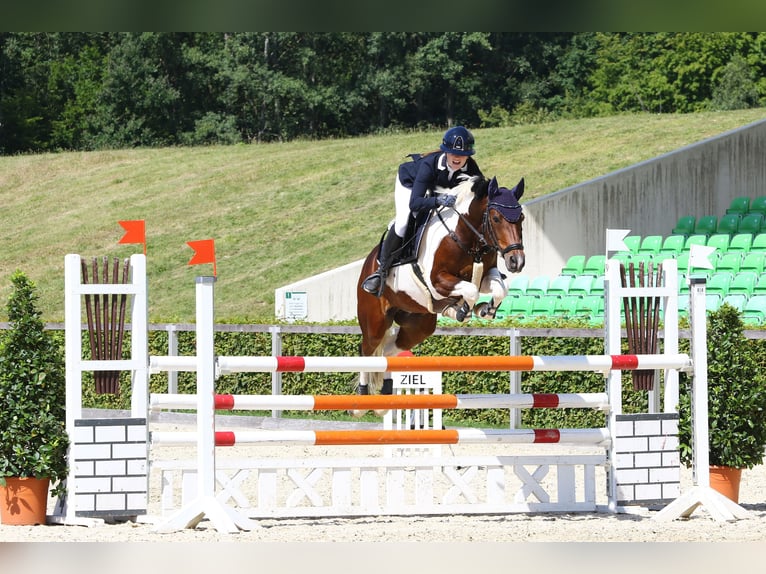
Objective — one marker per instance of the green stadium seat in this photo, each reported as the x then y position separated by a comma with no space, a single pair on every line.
595,265
673,244
518,285
633,242
574,265
729,223
720,241
754,311
736,300
504,309
739,205
521,305
559,285
743,283
730,262
760,285
650,244
684,225
751,223
598,286
719,283
759,242
566,306
590,305
538,285
543,306
742,242
706,225
660,257
754,261
581,285
712,301
695,239
758,205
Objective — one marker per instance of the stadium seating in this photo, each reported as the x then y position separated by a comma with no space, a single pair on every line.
650,244
742,242
729,223
673,244
720,241
559,285
684,225
754,312
595,265
739,205
574,265
758,205
743,283
751,223
706,225
759,242
518,285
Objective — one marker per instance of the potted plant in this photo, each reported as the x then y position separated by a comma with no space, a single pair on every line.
736,404
33,438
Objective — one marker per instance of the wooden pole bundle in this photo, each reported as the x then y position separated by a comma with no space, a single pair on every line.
106,320
642,317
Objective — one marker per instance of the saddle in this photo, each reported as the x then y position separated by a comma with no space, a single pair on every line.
408,252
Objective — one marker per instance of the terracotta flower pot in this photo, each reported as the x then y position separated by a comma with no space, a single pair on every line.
24,501
725,480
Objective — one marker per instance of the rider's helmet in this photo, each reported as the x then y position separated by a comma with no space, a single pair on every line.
458,140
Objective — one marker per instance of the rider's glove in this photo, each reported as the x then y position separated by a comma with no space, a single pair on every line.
445,200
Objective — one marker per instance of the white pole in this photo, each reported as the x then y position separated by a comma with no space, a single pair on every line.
205,388
700,437
139,338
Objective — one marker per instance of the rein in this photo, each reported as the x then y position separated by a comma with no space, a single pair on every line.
483,246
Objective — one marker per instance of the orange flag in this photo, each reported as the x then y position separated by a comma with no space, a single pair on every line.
204,252
135,232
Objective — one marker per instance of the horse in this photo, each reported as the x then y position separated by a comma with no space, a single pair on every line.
457,258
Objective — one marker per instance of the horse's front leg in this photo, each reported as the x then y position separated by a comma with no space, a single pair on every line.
494,284
449,285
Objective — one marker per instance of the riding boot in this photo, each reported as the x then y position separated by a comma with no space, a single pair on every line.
374,283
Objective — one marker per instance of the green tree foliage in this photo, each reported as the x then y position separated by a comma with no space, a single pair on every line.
74,90
33,437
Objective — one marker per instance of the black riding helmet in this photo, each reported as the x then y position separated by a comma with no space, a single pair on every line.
458,140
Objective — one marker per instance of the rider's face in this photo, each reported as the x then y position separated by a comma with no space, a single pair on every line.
456,161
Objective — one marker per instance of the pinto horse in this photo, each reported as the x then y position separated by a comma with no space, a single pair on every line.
456,263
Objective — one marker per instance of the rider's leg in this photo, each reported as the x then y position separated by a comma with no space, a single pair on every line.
374,283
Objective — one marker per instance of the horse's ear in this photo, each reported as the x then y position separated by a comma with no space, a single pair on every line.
492,188
518,191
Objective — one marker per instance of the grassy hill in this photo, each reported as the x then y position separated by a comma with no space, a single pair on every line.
278,212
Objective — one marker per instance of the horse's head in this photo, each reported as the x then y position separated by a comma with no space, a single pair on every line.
503,218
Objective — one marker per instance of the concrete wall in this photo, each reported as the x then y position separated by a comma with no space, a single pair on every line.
647,198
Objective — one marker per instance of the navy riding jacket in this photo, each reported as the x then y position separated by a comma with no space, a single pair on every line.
428,173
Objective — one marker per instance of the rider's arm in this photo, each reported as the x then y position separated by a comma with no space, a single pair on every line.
423,182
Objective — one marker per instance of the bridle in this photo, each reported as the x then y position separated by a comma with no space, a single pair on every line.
483,247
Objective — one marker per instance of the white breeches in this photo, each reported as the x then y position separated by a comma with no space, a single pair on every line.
402,206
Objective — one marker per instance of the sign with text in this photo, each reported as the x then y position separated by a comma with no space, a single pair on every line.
296,305
417,380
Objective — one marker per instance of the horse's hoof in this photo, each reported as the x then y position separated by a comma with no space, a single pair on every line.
462,313
381,413
484,311
357,414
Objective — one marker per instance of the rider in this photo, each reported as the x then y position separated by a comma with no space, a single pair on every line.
416,178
